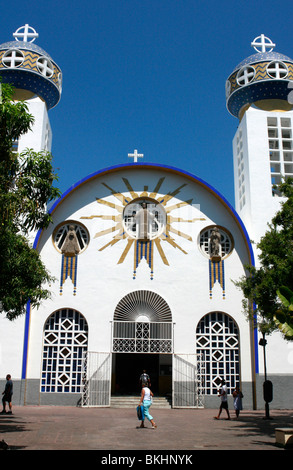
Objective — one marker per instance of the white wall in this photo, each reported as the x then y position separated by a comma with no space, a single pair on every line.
102,282
259,209
11,346
37,138
261,206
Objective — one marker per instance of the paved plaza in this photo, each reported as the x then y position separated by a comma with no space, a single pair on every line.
109,429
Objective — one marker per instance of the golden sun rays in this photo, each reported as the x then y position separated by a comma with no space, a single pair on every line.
126,225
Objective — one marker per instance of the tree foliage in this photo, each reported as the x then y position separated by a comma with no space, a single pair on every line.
284,316
26,187
260,287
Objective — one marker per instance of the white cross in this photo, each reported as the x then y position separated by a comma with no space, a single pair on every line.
13,58
135,155
246,75
276,69
45,67
25,34
264,42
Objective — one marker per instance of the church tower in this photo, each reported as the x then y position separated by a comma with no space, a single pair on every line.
37,80
258,94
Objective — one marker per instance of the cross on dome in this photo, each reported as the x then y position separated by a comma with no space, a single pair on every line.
263,43
24,33
135,155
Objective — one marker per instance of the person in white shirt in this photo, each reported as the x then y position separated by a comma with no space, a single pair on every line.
146,401
224,400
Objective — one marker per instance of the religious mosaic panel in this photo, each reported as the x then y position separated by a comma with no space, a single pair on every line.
216,243
70,239
144,220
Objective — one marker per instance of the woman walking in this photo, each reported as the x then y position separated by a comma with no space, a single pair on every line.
146,401
237,395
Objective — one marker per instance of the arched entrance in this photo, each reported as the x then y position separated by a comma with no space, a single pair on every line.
142,338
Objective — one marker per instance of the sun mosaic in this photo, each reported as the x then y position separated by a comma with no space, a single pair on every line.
144,220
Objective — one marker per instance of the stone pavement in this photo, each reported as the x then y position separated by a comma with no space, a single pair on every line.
108,429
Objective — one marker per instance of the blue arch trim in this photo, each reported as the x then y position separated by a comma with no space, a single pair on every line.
151,166
159,166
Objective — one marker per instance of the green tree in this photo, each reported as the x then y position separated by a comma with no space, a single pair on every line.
26,187
260,286
284,316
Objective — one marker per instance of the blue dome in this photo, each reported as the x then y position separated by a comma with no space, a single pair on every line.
27,66
24,45
263,56
261,76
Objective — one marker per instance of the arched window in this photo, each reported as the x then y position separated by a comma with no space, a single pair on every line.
64,345
217,339
142,324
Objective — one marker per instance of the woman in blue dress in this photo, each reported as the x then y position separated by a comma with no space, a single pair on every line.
146,401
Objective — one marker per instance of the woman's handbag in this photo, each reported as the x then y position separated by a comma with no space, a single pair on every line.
140,413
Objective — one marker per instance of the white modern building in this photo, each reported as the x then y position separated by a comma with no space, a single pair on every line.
144,257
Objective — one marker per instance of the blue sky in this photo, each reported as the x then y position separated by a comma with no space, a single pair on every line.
147,75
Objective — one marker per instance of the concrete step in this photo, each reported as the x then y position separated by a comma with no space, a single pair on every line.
129,401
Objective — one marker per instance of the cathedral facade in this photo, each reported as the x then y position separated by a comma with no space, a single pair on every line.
144,258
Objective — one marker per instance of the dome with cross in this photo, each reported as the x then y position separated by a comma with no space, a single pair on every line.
29,68
264,79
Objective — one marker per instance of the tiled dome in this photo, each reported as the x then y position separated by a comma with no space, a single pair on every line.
28,67
264,76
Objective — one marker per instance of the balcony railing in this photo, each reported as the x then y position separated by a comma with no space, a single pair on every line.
142,337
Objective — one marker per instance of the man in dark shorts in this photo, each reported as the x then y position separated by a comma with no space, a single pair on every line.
7,395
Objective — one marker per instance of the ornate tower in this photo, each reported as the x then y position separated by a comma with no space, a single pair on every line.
257,93
37,80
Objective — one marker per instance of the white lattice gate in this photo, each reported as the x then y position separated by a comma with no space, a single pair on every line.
187,380
97,379
142,337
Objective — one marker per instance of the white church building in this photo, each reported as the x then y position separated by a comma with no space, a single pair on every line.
144,257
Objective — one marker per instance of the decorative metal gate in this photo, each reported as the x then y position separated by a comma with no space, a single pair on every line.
142,337
143,324
97,379
187,378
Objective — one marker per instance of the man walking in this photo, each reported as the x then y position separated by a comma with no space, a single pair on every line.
144,379
7,395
